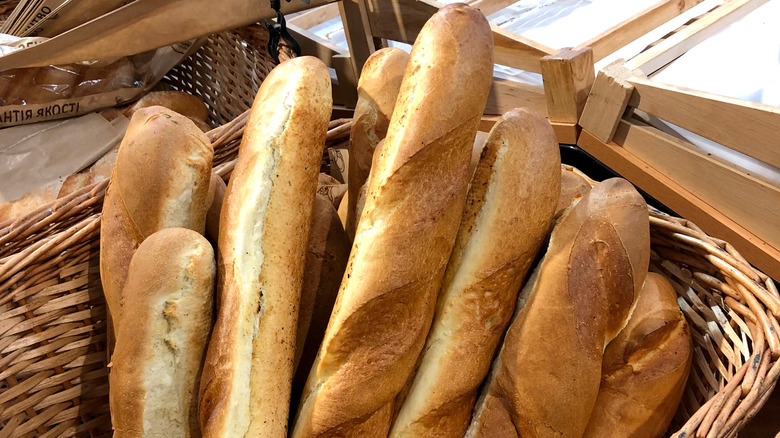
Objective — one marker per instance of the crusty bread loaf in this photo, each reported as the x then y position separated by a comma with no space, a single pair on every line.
53,83
161,341
103,79
160,180
378,88
20,82
508,213
326,259
546,377
216,196
573,188
406,232
327,252
264,226
645,368
183,103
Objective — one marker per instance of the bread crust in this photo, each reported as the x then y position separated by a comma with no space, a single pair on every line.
645,368
378,88
413,208
162,340
264,226
509,209
546,377
573,188
160,180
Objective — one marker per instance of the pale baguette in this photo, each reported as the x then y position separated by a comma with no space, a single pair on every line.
160,180
264,226
161,341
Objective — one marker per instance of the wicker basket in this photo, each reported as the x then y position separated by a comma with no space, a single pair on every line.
53,375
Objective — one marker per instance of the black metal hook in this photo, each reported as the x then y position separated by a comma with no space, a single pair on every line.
278,31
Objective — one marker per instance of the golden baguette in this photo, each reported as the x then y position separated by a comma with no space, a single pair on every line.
378,88
405,234
645,368
509,209
546,377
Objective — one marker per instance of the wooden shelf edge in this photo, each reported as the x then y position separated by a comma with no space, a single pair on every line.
764,256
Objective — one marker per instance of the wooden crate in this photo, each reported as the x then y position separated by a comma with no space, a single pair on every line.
567,73
722,198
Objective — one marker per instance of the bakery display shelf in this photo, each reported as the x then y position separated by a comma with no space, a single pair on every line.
626,124
567,73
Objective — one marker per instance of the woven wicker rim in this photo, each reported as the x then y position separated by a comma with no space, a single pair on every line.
52,329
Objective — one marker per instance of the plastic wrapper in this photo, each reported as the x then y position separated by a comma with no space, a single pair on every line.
29,95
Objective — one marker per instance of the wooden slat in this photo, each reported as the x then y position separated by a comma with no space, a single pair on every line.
506,95
314,17
568,76
566,133
750,202
685,203
692,34
345,86
402,20
618,36
144,25
747,127
354,17
489,7
518,52
607,101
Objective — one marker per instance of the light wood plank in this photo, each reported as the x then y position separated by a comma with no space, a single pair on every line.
489,7
354,17
345,85
567,76
566,133
518,52
685,203
145,25
506,95
402,20
748,127
750,202
607,101
314,17
621,34
692,34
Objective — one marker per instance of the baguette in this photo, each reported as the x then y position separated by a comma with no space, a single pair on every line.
160,180
546,377
645,368
509,209
326,260
573,188
378,88
216,196
183,103
162,339
408,226
264,226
